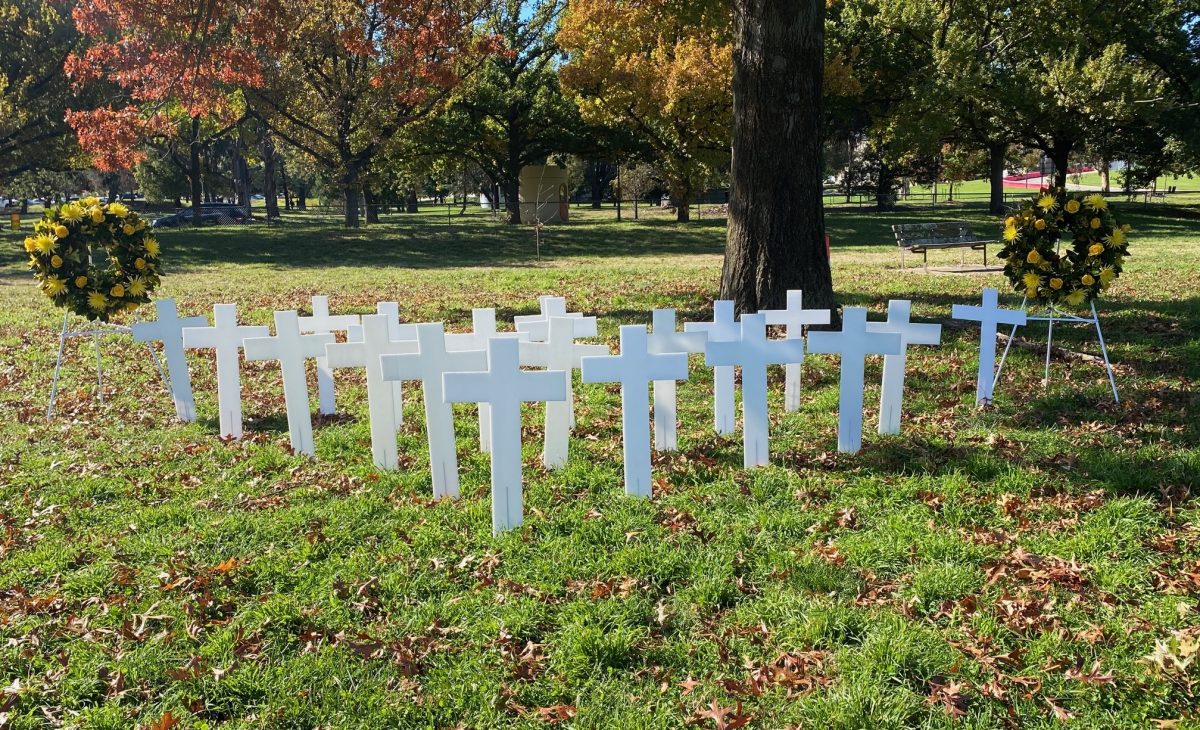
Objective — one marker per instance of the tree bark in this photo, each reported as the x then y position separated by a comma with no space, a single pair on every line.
194,172
776,238
1105,182
1060,155
350,196
512,200
283,178
301,197
411,204
371,201
996,151
269,156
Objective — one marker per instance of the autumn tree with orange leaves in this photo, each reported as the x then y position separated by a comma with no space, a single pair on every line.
342,78
179,65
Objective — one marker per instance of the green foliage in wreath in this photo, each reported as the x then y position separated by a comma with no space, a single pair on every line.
95,260
1064,248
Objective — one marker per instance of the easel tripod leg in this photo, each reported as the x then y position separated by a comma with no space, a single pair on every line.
1112,381
1007,346
62,344
99,368
1049,344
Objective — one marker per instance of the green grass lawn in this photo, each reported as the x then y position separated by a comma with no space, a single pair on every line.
1023,566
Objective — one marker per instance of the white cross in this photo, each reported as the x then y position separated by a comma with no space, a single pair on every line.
320,323
723,328
428,365
505,386
989,315
666,339
366,354
168,329
853,343
796,318
634,368
225,336
291,349
537,325
891,393
754,352
560,352
483,328
398,332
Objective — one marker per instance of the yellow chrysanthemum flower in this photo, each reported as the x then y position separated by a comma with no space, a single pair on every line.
90,201
80,282
137,286
1096,201
1031,292
1107,274
44,244
1056,283
1047,202
1088,280
118,209
1076,297
1126,228
1010,233
1031,281
1039,224
54,286
117,291
1010,221
1034,257
1116,238
97,302
127,229
1095,249
1094,223
56,261
139,264
71,213
97,215
61,231
1072,206
152,247
30,244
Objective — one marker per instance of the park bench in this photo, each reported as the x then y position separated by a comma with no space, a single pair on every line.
921,237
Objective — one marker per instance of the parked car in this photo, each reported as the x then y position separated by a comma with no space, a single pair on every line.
211,214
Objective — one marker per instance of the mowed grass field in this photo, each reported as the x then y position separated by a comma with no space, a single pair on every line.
1036,564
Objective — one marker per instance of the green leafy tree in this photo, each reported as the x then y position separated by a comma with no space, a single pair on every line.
35,39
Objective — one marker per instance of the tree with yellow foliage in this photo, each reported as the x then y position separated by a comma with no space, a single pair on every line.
661,69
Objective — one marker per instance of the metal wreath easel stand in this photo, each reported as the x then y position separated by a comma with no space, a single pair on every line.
95,333
1053,315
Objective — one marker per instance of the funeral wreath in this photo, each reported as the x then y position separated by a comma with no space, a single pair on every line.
96,260
1064,248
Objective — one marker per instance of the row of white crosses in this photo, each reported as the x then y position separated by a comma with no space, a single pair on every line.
485,367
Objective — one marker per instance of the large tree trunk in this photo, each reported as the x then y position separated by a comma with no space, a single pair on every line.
776,238
350,194
194,172
269,156
301,197
1060,155
371,200
996,152
885,187
283,179
411,203
512,200
1105,182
